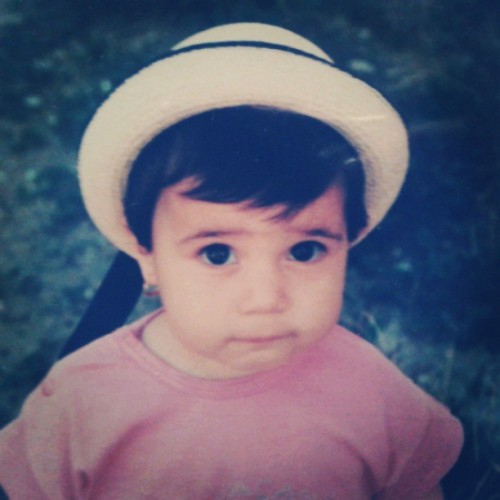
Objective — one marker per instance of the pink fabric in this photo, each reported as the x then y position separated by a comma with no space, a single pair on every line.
113,421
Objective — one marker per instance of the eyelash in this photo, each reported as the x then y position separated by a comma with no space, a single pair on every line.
220,254
318,250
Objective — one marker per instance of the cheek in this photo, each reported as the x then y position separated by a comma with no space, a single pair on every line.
185,290
322,299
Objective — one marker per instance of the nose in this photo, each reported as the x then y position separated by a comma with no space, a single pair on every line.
264,290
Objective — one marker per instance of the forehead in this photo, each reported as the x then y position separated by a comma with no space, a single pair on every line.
183,213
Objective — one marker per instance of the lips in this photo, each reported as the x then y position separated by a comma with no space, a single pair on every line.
264,340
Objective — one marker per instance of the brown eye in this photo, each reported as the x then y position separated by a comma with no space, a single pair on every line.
218,254
307,251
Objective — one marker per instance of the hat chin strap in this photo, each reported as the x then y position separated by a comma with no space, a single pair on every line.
112,303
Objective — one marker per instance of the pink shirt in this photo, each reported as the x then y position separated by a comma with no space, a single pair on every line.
113,421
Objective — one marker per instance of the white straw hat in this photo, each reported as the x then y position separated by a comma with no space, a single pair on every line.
231,65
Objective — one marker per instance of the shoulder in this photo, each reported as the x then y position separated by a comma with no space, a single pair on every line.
110,351
409,413
420,433
94,371
378,377
82,406
99,357
344,349
98,380
365,361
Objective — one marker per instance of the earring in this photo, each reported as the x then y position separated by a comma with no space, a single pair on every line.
150,290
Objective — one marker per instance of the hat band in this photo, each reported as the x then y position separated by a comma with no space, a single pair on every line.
245,43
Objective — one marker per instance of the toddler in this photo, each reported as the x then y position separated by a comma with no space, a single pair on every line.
237,171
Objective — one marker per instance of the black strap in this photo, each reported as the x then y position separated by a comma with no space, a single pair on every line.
112,303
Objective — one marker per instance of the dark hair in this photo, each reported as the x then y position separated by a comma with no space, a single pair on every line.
261,155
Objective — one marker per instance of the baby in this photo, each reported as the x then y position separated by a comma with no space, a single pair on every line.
237,171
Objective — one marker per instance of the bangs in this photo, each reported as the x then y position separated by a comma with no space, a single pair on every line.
261,156
258,155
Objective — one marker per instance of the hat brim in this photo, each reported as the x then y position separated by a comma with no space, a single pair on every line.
210,76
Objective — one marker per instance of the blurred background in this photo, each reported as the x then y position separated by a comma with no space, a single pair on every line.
423,287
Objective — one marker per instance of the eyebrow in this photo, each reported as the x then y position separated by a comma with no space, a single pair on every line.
317,232
323,233
215,233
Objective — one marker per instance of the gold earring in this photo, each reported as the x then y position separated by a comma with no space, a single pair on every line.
150,290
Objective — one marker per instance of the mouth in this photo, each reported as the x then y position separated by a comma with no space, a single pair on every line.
265,340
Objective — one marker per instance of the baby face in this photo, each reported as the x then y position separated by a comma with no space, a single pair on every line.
243,290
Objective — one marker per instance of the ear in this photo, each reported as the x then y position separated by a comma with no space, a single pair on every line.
147,263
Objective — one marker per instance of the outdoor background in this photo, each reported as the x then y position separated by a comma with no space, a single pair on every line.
423,287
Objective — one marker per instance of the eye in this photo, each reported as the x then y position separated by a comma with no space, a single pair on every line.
307,251
218,254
